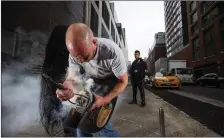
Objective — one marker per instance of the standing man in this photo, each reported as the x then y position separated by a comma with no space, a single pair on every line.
137,72
100,58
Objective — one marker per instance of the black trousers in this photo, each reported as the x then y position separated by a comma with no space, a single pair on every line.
141,89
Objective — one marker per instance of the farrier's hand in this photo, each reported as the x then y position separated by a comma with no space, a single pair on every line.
66,94
99,101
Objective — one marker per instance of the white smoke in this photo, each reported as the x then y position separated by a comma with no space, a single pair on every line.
82,85
20,99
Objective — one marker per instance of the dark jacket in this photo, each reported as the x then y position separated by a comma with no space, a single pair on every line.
137,70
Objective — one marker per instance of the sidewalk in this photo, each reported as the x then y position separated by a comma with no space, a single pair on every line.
134,121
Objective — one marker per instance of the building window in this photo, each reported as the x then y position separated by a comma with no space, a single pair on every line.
181,39
112,31
179,11
209,43
222,32
178,3
181,32
178,18
221,8
193,5
194,29
104,32
194,17
196,48
206,5
180,25
94,21
97,3
105,14
116,39
210,16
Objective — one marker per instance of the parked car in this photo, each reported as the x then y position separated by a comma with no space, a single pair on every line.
211,79
167,80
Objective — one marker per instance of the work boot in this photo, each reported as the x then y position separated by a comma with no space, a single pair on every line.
133,102
143,104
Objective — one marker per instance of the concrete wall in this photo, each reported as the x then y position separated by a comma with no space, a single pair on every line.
26,26
157,52
184,54
161,63
42,16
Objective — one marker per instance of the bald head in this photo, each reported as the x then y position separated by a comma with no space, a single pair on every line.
80,40
78,32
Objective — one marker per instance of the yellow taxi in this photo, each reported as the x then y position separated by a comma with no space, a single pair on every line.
165,80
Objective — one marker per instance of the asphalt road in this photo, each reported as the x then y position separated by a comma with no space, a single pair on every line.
202,104
210,95
209,92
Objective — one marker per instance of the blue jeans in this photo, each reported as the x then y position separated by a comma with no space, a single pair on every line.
107,131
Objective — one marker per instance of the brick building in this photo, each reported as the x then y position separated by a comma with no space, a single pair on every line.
206,35
27,25
158,51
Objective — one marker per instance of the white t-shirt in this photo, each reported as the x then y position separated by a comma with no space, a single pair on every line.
109,60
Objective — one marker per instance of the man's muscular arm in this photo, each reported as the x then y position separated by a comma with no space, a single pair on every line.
118,88
119,69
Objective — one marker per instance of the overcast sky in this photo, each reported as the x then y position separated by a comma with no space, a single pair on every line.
142,19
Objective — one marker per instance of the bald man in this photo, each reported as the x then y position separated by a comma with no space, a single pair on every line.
101,59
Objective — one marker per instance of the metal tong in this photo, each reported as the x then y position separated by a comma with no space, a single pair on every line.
59,86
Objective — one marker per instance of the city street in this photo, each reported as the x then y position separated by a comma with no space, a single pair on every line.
204,104
50,49
209,95
134,121
205,94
